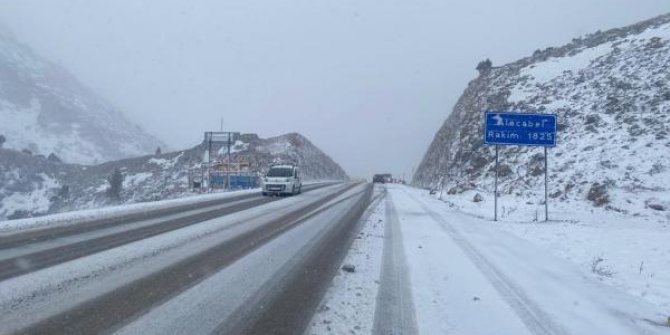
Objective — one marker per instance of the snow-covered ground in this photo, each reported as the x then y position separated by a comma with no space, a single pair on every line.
35,201
628,252
13,226
460,272
470,275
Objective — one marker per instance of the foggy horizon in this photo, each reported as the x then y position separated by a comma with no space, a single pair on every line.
365,83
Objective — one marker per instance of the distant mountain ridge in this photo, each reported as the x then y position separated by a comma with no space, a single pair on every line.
34,185
611,91
46,110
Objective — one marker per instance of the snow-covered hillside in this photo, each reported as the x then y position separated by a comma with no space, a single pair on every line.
611,91
296,148
45,110
34,185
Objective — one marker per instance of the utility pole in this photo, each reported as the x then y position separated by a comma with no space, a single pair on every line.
230,135
209,162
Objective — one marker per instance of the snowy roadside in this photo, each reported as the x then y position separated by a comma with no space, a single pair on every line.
483,265
74,217
629,252
474,276
348,306
109,212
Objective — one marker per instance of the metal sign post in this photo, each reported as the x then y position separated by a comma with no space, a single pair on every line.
228,174
225,138
209,164
504,128
495,194
546,191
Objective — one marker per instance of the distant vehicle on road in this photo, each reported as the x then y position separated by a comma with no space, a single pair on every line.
282,180
382,178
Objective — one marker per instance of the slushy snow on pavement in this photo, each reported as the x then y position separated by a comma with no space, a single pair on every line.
471,275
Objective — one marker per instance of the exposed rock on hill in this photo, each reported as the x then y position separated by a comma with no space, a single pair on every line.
611,91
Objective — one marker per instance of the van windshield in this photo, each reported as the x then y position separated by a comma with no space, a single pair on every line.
280,172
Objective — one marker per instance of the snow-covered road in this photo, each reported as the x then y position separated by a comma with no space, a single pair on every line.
253,252
467,276
419,267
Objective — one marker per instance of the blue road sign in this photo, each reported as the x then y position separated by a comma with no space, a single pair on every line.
217,179
520,129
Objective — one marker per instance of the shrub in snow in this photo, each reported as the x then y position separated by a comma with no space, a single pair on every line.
19,214
115,184
598,268
478,198
593,119
504,170
598,194
64,191
535,166
484,66
460,188
656,169
478,162
536,170
657,207
655,204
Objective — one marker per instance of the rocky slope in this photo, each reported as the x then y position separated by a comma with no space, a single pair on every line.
45,110
33,185
611,91
314,164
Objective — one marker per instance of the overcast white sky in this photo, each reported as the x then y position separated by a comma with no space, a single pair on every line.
369,82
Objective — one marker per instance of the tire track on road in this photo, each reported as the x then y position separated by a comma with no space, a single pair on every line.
110,310
39,234
394,311
22,264
293,307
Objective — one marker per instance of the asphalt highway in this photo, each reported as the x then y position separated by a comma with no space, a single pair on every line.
107,276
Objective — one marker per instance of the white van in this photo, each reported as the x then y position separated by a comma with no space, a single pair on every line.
282,179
